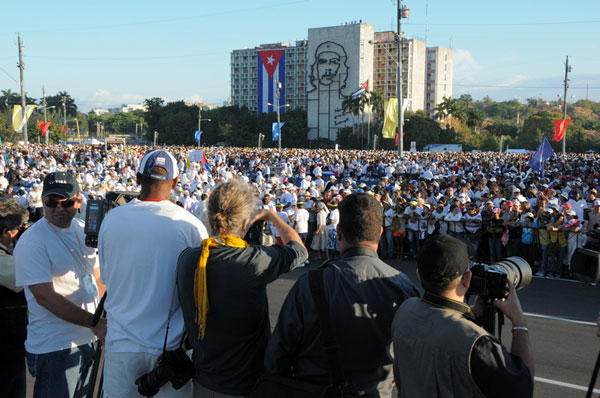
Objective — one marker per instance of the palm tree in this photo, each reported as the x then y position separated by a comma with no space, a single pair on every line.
57,101
351,106
8,99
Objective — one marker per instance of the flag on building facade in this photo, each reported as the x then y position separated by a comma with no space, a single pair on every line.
361,90
18,121
560,129
44,127
276,130
541,156
197,135
390,118
271,68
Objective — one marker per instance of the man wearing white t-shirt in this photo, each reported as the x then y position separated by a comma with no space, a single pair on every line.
139,244
59,274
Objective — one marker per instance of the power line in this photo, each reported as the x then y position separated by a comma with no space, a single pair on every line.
9,75
169,20
508,24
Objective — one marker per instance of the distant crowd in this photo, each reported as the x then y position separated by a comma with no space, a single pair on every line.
492,201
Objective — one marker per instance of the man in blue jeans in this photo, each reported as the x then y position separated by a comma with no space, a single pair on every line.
59,274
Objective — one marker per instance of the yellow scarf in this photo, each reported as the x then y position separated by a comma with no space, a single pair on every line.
200,287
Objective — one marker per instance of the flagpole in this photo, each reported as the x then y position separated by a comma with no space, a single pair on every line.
566,82
23,98
399,80
45,115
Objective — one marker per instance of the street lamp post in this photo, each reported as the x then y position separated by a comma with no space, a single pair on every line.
200,123
402,13
278,107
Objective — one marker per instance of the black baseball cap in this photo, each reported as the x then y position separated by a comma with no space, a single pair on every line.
442,259
60,183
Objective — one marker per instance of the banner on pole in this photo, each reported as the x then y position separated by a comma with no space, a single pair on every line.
277,130
18,121
560,129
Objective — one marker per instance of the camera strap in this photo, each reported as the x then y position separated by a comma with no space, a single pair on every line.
171,309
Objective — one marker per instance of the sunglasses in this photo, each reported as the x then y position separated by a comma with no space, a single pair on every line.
65,204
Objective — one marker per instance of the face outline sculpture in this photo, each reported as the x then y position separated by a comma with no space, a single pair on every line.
329,67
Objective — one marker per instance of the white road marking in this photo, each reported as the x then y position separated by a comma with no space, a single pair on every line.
562,384
554,318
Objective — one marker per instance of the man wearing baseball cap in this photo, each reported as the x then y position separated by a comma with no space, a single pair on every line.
59,274
439,350
139,244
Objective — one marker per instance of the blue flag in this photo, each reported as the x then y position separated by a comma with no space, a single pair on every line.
541,155
277,130
197,135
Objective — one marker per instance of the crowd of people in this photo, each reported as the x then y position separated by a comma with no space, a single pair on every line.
175,260
492,201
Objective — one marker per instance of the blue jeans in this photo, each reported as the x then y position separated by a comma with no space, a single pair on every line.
495,249
63,373
547,259
389,239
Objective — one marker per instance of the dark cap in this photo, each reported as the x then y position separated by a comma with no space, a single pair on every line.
60,183
442,259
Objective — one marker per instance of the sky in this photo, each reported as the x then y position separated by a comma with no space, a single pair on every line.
107,53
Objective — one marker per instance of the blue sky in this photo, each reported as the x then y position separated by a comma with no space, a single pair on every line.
107,53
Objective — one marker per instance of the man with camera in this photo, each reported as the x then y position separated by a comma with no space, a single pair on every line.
439,349
59,274
139,244
361,295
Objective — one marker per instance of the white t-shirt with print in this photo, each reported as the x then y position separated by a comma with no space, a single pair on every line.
41,257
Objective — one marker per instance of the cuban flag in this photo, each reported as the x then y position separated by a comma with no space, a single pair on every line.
361,90
271,66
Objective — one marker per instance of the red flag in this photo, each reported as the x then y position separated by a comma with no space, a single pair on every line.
63,130
204,158
560,129
396,139
44,127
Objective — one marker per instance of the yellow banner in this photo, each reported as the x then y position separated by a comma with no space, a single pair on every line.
390,119
18,121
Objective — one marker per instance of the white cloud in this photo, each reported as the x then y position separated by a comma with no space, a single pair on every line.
513,80
102,93
466,67
194,99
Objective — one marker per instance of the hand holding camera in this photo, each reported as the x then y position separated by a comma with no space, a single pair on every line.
511,306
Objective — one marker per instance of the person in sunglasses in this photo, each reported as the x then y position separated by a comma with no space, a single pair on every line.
59,274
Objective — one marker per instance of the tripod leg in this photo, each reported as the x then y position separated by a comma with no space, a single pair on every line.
594,376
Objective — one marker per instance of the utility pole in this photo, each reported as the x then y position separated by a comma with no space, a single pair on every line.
155,137
64,102
200,123
277,94
22,84
566,83
402,13
45,104
78,135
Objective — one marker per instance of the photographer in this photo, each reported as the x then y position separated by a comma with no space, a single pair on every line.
361,294
139,244
439,349
59,274
13,307
222,289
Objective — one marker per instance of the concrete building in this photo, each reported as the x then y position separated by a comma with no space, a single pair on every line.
244,79
440,72
340,60
413,68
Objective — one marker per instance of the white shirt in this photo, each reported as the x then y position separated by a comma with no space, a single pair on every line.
139,244
42,255
301,218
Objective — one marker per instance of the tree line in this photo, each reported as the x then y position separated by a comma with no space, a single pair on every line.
476,124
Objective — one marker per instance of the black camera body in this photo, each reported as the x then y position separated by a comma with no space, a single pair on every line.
491,281
173,366
254,236
488,281
96,211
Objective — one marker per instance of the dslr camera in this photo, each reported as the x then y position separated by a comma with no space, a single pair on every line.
173,366
491,281
96,211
